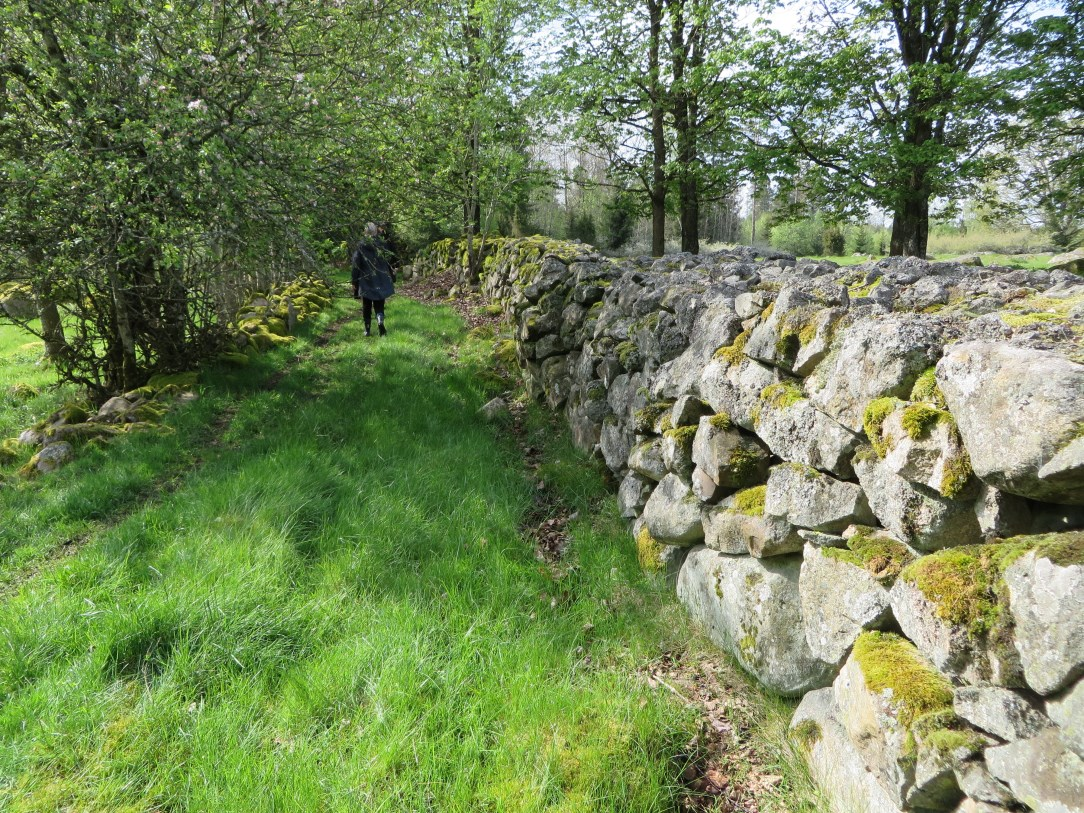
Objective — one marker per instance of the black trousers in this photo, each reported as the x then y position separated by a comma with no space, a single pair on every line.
367,308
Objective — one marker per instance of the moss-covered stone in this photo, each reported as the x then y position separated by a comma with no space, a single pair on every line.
182,380
628,354
648,551
1063,549
877,412
891,662
955,475
649,415
859,291
683,436
745,463
881,556
926,389
750,501
11,451
966,585
721,421
918,419
782,394
733,353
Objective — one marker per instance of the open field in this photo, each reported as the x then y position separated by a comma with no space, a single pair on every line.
317,594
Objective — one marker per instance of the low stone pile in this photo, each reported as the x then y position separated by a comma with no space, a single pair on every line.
264,322
267,320
867,483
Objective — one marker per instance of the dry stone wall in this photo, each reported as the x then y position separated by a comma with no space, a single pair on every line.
866,482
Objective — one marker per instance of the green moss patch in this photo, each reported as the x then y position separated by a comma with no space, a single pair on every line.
721,421
926,389
965,584
881,556
956,475
877,412
782,394
733,353
1063,549
891,662
648,551
750,501
745,465
919,419
648,416
682,436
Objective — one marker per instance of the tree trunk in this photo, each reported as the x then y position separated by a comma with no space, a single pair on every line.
52,328
129,369
658,134
685,54
911,226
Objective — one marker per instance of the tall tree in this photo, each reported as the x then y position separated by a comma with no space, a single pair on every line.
644,80
892,102
456,127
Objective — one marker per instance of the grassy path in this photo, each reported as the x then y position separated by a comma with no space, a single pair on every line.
337,610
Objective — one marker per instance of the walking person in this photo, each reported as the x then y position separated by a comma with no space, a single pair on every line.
372,276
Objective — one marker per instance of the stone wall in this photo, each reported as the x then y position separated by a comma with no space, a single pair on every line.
867,483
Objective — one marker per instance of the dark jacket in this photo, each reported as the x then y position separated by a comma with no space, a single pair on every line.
371,273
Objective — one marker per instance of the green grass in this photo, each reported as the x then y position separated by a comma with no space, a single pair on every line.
1030,262
20,353
335,609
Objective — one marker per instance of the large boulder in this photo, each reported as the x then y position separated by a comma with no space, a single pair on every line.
918,515
798,432
750,607
1046,594
730,458
1006,714
836,765
1019,412
1043,772
672,513
840,599
872,358
808,499
896,709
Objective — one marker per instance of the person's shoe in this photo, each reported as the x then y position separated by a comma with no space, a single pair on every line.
368,332
383,330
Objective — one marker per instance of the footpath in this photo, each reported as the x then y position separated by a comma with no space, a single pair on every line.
361,595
